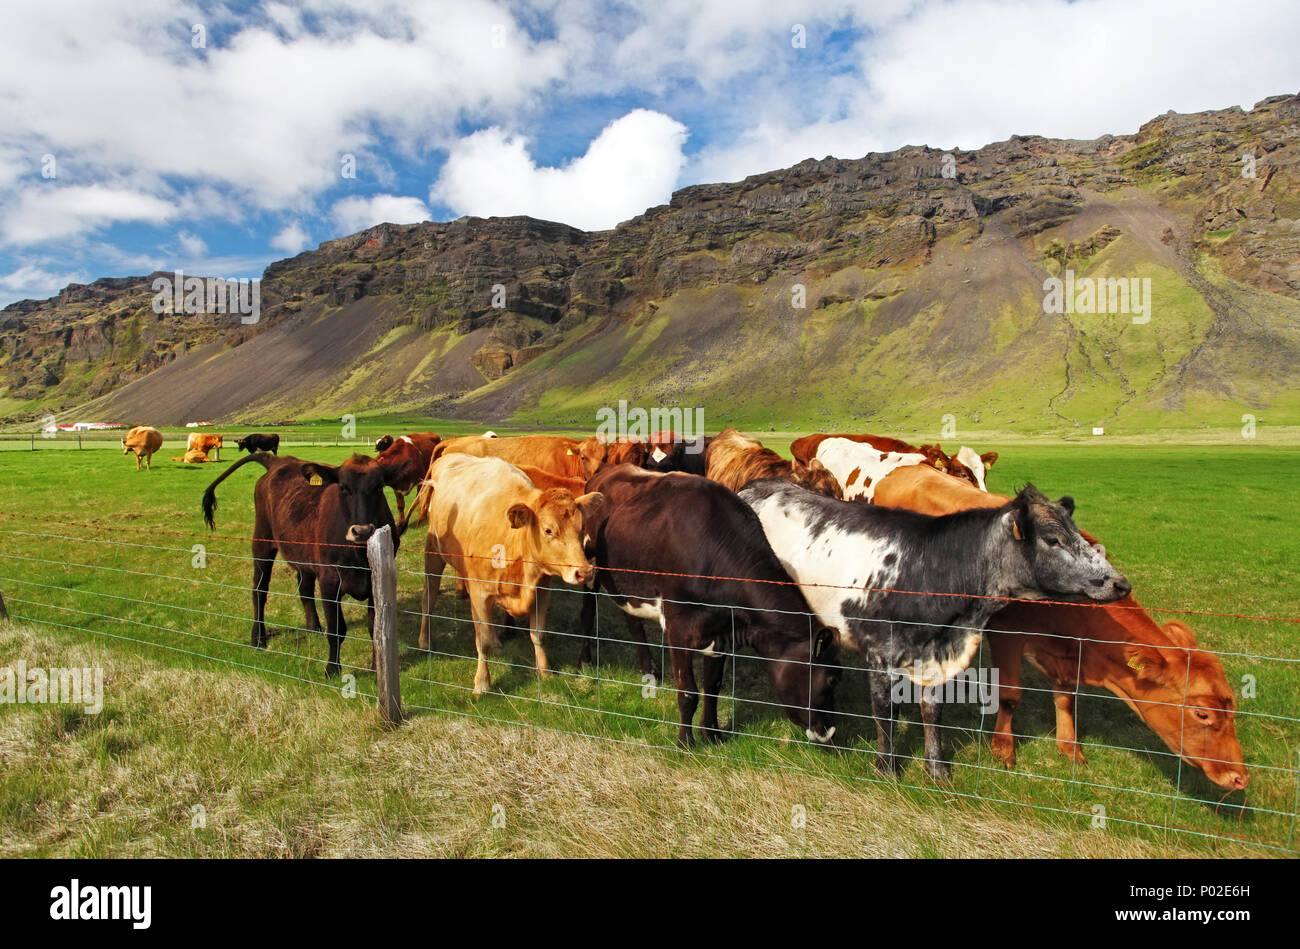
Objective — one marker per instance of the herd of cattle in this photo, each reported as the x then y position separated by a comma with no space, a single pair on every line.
896,552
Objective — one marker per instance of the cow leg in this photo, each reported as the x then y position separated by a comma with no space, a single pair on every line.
882,707
714,667
537,628
400,497
335,626
684,632
485,641
1067,742
434,564
1007,651
931,708
263,561
587,626
307,594
636,632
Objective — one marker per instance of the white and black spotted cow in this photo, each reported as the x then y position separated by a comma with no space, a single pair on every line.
852,561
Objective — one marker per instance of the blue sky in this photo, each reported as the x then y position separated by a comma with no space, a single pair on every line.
148,134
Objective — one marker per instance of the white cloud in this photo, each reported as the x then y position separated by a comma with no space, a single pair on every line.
50,211
633,164
358,213
291,239
34,282
191,244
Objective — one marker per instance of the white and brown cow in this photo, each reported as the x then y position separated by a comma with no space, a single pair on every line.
506,538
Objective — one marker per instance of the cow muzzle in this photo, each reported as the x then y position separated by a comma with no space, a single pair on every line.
360,533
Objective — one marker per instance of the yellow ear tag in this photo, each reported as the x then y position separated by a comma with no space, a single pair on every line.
316,480
570,452
1015,530
1135,664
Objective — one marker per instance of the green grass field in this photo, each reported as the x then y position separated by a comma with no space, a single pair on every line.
97,565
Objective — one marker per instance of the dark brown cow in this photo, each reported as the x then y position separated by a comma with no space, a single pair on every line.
319,518
407,458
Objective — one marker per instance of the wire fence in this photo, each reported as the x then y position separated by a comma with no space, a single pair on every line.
187,595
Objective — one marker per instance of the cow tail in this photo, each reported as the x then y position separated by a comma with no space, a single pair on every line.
420,508
210,495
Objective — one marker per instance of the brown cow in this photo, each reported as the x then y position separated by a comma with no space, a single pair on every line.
506,538
408,458
144,441
734,460
318,517
556,454
194,457
1178,690
204,444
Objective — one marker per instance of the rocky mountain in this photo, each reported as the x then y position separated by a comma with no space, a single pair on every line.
899,288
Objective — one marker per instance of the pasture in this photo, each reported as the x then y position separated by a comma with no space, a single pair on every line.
97,565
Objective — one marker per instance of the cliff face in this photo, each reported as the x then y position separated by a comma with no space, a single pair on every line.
905,285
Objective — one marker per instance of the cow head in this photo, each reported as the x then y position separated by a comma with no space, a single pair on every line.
1182,694
972,467
804,676
817,477
627,452
592,452
360,481
554,522
383,443
1059,560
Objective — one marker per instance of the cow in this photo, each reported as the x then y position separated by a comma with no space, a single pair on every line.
1179,690
204,444
259,442
506,538
409,457
194,457
715,587
734,460
557,454
913,592
684,454
144,441
966,464
318,517
858,466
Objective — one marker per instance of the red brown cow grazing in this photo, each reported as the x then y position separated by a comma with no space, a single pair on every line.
1179,691
562,456
144,441
204,444
734,460
319,518
506,538
407,458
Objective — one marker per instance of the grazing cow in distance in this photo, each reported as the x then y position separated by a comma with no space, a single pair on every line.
1177,689
408,458
557,454
735,460
204,444
715,587
258,442
194,457
144,441
318,517
506,538
913,592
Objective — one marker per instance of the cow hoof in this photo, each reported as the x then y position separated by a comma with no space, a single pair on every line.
332,670
1005,752
714,736
887,764
940,771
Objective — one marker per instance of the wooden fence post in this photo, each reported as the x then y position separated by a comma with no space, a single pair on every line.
383,587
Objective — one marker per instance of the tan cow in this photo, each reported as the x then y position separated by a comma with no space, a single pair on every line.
506,538
566,457
204,444
194,457
144,441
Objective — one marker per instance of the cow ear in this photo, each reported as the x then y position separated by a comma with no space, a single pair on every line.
1145,661
391,473
520,515
989,457
1067,502
826,638
320,474
590,504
